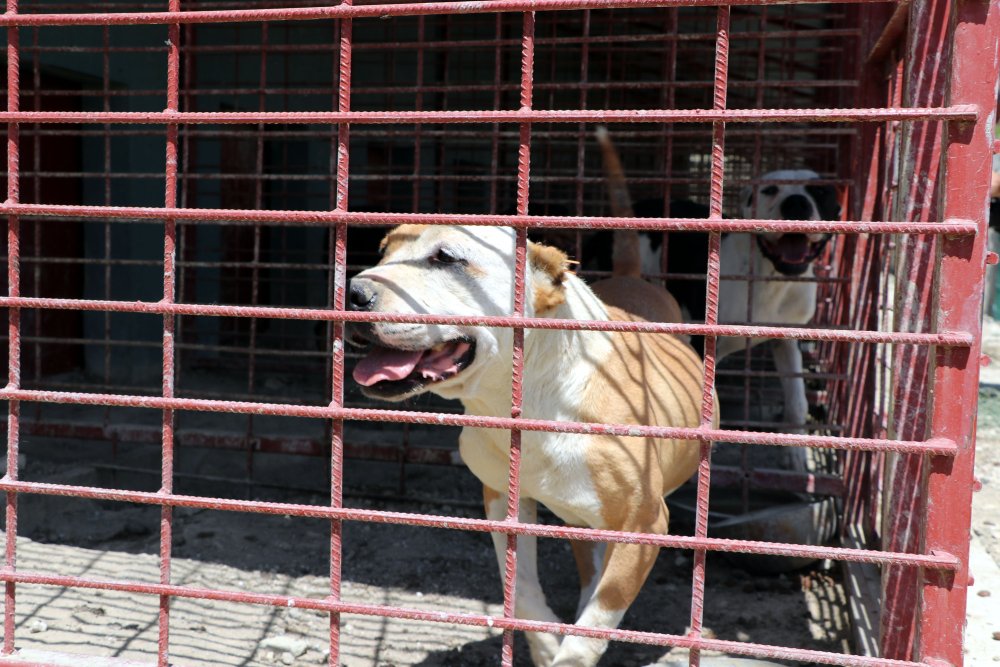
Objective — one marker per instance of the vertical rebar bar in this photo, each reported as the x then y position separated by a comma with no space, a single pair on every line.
169,268
13,321
708,407
337,361
517,362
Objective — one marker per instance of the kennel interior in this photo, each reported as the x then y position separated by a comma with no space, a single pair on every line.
190,184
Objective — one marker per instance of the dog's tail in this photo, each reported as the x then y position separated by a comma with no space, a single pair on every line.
626,257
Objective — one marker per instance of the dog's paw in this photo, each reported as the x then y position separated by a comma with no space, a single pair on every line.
579,652
543,647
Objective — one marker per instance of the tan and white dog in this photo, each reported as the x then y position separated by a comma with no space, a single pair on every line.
600,481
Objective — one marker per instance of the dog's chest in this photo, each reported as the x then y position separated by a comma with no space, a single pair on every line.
553,469
763,301
554,466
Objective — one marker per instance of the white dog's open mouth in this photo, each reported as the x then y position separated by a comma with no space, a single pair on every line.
791,254
386,372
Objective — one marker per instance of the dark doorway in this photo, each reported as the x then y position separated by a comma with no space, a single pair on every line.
51,249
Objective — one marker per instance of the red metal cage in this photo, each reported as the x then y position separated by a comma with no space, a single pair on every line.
205,285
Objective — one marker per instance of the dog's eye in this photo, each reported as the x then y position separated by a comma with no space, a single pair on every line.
770,190
442,256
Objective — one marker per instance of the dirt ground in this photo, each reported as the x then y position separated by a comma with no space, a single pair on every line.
986,502
396,565
420,568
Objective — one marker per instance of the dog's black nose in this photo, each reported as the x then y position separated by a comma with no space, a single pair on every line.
361,295
797,207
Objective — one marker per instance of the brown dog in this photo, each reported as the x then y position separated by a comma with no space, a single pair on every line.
600,481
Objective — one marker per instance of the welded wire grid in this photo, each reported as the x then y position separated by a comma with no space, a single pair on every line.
953,341
251,66
254,167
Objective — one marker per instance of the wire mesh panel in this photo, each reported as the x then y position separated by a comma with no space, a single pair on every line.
408,62
190,188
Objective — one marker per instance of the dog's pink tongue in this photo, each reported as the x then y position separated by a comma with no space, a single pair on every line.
436,365
384,364
793,247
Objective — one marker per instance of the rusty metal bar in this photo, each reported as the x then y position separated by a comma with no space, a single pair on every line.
924,55
377,10
891,34
479,620
938,446
517,360
653,38
936,560
233,216
13,323
946,339
714,269
956,112
972,76
169,258
338,301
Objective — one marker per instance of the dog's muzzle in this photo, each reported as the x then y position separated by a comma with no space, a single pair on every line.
393,373
361,294
361,297
791,254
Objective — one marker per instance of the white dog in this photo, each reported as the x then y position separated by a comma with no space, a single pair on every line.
775,301
598,481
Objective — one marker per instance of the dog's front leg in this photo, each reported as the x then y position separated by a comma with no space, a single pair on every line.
529,600
626,567
589,558
788,362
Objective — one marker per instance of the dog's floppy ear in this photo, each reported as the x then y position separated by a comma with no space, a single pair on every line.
827,201
550,266
397,236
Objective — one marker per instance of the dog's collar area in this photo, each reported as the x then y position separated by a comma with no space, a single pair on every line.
391,373
791,254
